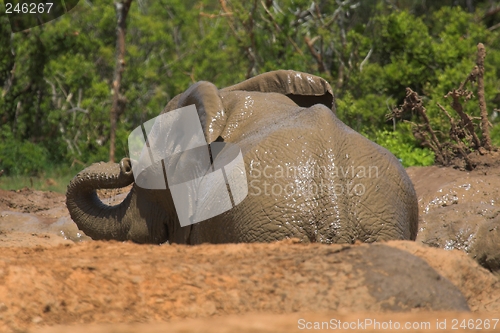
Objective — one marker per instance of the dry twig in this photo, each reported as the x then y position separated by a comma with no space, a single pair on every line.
413,103
315,54
486,140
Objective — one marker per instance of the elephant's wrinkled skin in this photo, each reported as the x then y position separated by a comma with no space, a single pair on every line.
339,188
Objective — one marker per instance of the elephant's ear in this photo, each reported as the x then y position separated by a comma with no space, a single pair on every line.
304,89
205,96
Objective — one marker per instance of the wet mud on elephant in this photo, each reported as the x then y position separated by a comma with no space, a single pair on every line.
309,175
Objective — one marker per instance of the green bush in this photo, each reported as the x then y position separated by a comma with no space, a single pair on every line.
495,135
403,146
21,157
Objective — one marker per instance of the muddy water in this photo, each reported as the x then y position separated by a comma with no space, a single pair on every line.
453,205
37,219
39,226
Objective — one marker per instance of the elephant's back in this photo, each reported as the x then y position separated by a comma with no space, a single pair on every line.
312,177
338,179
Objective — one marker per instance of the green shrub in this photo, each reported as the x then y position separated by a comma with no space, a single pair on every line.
403,146
21,157
495,135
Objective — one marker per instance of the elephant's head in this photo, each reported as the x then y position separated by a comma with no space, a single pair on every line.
148,216
129,220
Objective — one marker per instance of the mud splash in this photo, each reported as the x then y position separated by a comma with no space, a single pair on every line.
44,228
30,218
454,205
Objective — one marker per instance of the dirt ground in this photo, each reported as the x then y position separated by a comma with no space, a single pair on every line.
54,279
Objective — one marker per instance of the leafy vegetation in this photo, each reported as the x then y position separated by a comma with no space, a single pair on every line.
56,79
403,146
22,157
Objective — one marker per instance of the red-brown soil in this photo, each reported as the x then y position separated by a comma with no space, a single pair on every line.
47,281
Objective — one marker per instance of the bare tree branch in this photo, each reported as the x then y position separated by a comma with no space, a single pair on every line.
315,54
485,128
212,16
413,102
365,60
456,133
75,109
495,26
466,119
491,12
54,93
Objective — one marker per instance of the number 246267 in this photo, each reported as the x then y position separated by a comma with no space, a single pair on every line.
28,8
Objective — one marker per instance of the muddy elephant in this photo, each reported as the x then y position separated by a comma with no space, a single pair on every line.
309,175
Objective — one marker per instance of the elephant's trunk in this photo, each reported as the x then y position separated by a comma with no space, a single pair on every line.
93,217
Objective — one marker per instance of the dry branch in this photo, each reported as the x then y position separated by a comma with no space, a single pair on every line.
212,16
491,12
466,119
493,27
413,103
315,54
486,140
457,133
